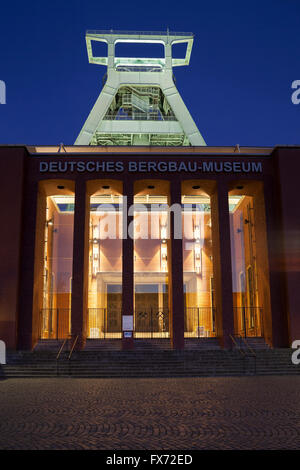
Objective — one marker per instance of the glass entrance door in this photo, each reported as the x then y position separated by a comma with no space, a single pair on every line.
151,311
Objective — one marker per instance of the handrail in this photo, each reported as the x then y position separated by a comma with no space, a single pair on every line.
238,347
139,33
251,353
61,348
73,346
247,345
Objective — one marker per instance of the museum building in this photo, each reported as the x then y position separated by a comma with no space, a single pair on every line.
139,231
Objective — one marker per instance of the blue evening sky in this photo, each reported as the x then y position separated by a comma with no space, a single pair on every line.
246,55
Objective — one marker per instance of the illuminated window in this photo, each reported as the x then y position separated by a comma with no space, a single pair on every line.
198,267
57,273
105,266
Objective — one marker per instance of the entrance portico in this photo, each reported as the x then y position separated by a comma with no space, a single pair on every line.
210,281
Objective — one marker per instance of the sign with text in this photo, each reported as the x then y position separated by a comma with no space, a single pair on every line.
211,166
127,322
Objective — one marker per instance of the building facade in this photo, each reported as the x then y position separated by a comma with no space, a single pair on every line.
91,235
141,231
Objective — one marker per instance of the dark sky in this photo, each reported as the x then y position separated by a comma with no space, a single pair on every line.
246,55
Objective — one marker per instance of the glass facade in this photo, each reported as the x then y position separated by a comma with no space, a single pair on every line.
152,280
247,293
199,301
105,266
55,316
151,316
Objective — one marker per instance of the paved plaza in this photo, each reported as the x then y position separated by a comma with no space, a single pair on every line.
163,414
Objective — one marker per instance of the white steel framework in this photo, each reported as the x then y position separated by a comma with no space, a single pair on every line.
139,103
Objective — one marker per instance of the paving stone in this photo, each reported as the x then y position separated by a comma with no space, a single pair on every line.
183,413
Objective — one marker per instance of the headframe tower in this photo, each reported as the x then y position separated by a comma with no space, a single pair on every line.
139,103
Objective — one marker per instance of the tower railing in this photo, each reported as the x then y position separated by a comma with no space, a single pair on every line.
139,33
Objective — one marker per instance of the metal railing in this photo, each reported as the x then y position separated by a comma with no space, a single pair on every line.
73,347
243,341
139,117
70,351
61,348
138,68
246,351
104,323
248,321
139,33
54,323
65,342
151,322
199,322
237,345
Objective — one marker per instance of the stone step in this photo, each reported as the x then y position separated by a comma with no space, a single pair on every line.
252,342
149,363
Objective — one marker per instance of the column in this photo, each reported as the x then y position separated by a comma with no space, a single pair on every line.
12,164
281,242
176,300
127,257
31,269
222,263
80,264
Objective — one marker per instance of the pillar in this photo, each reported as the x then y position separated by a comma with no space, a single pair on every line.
127,256
281,242
34,209
79,302
175,256
222,263
12,162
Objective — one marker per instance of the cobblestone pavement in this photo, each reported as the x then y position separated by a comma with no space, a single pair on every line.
119,414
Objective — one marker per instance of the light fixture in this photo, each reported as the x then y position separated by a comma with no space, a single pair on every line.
163,233
197,233
164,256
49,222
196,187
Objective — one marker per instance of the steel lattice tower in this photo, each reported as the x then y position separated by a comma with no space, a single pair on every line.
139,103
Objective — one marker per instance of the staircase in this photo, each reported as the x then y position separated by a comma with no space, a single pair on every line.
254,343
201,344
103,345
149,363
48,345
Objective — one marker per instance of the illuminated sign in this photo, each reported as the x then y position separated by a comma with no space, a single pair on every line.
150,167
